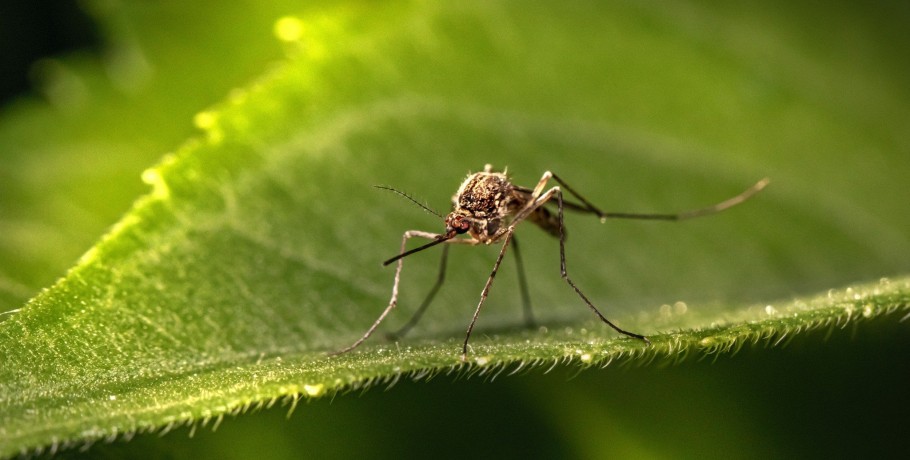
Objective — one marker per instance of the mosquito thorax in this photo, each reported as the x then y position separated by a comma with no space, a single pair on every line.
485,195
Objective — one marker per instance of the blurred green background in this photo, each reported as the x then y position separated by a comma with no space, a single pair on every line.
73,146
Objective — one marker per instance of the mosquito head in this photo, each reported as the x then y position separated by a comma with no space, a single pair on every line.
457,224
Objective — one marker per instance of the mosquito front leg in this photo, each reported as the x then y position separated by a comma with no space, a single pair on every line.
394,300
440,278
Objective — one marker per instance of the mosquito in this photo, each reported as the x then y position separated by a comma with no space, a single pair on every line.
487,208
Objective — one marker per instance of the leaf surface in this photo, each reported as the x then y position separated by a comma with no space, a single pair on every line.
257,250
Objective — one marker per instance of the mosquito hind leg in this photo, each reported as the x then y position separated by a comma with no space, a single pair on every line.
587,206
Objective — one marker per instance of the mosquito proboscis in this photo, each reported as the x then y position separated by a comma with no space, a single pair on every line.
487,208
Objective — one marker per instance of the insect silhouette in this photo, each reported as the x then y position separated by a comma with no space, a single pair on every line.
487,208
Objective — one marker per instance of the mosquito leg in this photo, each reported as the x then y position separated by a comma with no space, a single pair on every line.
588,206
523,284
565,274
723,205
486,292
426,301
394,300
538,189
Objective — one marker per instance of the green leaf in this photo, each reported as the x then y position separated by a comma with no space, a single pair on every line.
258,249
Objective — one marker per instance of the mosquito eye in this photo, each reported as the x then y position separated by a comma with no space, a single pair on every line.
459,224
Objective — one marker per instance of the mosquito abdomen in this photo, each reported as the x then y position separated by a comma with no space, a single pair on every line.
546,220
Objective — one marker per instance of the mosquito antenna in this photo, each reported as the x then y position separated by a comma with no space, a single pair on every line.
439,239
409,197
